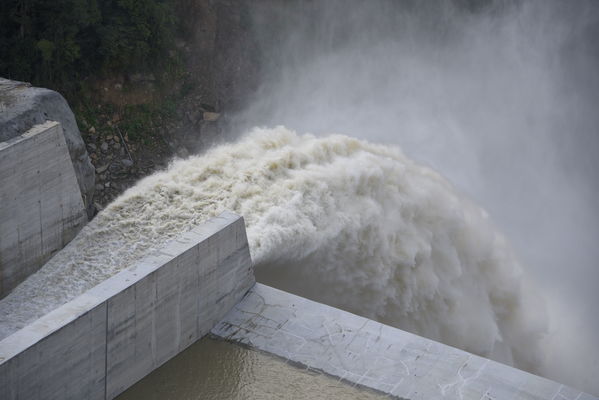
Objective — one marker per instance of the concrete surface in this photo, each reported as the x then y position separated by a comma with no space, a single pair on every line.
23,106
40,204
99,344
364,352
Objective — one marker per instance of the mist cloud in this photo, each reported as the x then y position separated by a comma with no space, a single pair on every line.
501,97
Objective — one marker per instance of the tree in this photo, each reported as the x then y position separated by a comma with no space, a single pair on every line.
56,43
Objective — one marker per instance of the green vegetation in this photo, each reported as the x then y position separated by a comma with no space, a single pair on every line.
73,46
139,122
58,43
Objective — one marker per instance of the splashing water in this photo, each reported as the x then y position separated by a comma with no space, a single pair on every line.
346,222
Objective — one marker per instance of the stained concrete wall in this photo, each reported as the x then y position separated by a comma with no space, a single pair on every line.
99,344
41,208
364,352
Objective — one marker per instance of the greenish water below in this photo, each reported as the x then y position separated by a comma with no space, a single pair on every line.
214,369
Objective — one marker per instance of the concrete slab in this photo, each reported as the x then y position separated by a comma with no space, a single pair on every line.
365,352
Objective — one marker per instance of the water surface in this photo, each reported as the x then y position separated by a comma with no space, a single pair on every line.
213,369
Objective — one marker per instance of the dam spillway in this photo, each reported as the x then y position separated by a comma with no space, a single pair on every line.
104,341
162,267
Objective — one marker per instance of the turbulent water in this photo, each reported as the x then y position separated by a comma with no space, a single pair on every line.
347,222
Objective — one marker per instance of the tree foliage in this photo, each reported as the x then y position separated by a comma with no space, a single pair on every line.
57,42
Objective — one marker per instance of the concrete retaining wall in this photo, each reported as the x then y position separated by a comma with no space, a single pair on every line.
41,208
99,344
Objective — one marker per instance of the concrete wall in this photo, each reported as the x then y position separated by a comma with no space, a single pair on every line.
101,343
41,208
364,352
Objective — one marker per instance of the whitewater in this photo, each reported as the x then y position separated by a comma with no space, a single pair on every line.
350,223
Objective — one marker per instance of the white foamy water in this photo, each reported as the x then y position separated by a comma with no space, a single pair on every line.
353,224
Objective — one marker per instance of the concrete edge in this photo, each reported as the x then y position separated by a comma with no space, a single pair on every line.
31,132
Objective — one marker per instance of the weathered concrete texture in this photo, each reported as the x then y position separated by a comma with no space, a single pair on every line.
23,106
99,344
364,352
40,203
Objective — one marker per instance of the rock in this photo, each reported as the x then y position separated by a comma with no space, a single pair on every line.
107,184
28,106
182,152
104,147
102,169
206,107
92,130
116,146
208,130
109,137
127,163
98,206
116,139
189,116
99,187
92,146
114,167
210,116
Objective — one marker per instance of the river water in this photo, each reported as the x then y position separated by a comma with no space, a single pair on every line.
213,369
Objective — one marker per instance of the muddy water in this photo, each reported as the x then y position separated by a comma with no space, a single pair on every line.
213,369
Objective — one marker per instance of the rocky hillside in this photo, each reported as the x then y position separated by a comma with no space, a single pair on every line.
134,123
